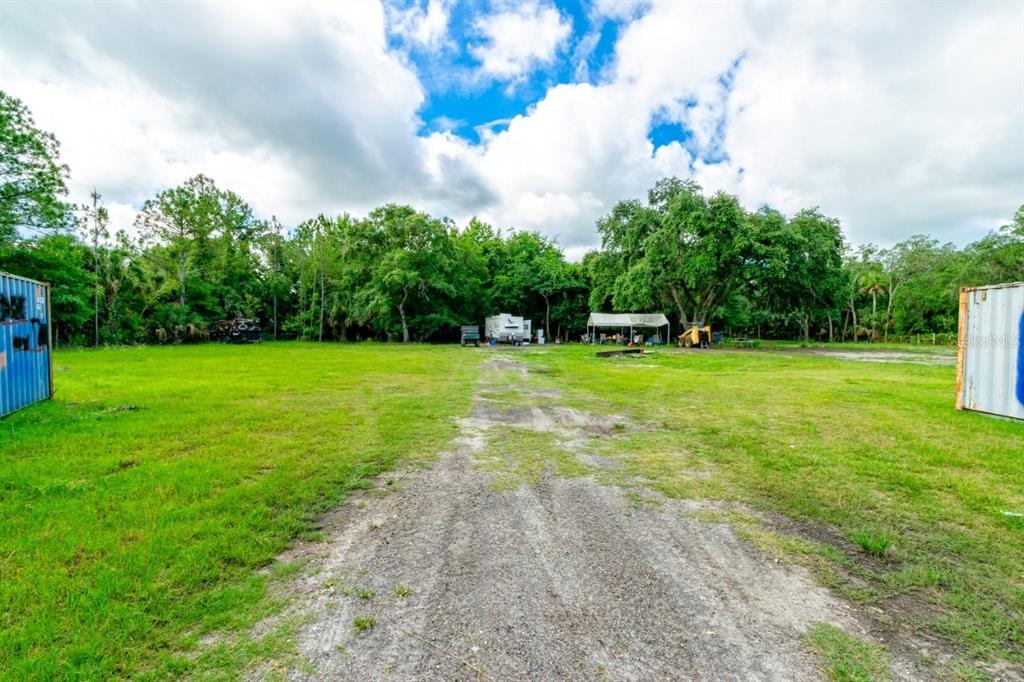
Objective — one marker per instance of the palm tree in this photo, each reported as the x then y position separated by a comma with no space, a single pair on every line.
874,284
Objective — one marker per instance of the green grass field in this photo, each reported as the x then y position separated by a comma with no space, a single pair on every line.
138,506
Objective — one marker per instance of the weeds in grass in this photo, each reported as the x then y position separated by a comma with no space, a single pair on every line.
402,591
363,623
848,658
312,536
636,501
365,594
875,543
522,455
285,570
961,671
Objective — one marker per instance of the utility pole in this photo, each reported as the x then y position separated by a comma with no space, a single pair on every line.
96,266
275,242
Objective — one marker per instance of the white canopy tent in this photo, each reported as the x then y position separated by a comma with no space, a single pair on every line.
628,320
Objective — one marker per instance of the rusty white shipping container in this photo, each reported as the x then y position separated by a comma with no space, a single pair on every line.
990,355
26,364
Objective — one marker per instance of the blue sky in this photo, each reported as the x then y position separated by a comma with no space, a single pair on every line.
460,102
897,118
456,96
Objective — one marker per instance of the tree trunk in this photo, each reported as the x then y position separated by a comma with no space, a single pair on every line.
95,269
874,314
312,305
302,307
321,303
547,317
96,306
181,281
401,312
888,309
679,305
275,316
405,326
807,329
830,329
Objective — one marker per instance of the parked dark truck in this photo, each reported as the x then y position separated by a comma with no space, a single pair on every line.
471,335
238,330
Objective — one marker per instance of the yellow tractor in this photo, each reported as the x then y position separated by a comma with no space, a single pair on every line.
697,334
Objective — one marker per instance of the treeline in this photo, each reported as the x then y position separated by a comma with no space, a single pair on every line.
201,256
198,254
761,273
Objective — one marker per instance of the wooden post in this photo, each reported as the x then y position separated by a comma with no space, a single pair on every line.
961,348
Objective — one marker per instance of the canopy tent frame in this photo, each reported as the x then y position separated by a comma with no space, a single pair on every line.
623,320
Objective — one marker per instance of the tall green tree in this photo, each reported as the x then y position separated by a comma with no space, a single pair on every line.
33,181
814,285
94,225
681,250
202,244
410,277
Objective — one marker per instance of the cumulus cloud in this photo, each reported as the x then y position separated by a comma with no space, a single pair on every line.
896,118
619,10
298,108
795,106
517,40
425,25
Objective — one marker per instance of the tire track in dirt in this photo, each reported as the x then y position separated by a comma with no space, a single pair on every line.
557,579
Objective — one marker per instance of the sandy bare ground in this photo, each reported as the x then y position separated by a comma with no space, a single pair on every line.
937,357
556,579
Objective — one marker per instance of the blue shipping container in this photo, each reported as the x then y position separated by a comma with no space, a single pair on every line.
26,363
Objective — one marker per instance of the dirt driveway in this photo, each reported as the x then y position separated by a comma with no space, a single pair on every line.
556,578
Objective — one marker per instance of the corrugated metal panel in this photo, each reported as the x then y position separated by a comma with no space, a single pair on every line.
990,362
26,370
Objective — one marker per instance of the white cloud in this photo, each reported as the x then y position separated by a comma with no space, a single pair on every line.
831,106
519,39
426,25
893,136
299,109
619,10
895,118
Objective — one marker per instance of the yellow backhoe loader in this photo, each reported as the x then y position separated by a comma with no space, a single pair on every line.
697,334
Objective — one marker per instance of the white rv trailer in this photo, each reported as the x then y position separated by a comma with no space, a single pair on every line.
505,328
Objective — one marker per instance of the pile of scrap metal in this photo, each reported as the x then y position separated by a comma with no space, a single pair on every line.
238,330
